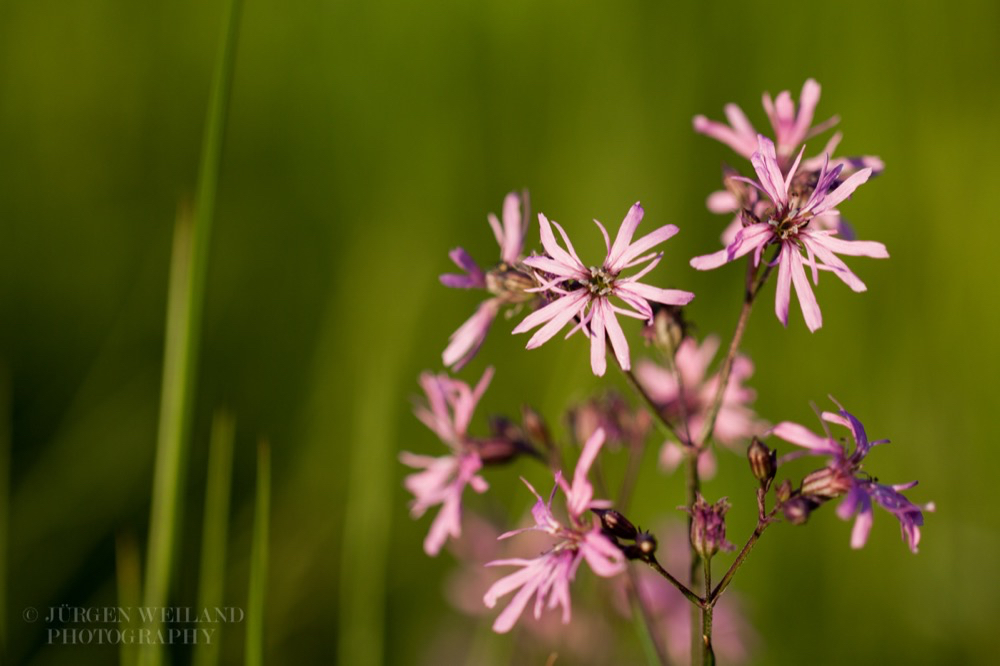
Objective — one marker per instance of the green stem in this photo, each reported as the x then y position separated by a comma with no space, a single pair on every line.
184,310
666,429
762,525
684,589
708,653
753,286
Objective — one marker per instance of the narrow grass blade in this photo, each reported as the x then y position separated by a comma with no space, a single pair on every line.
254,651
129,581
215,528
184,309
5,437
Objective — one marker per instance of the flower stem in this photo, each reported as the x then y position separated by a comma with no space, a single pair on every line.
762,524
707,654
693,488
684,589
753,286
665,427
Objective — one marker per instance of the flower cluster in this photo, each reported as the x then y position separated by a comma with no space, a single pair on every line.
789,211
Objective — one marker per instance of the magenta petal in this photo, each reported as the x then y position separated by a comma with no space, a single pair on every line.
845,190
513,229
624,237
722,201
467,340
569,306
707,262
598,354
618,342
665,296
807,300
645,243
783,291
802,436
552,247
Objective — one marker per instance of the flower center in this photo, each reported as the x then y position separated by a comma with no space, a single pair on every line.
601,282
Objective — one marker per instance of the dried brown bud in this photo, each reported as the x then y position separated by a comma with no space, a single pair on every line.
646,543
763,462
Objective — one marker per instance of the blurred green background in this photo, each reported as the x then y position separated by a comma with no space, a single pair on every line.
367,139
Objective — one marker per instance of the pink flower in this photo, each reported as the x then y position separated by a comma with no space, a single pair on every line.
450,404
548,576
791,127
505,281
843,477
693,398
786,223
585,293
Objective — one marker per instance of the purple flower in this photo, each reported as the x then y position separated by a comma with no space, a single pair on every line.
791,127
585,293
786,223
505,281
548,576
693,398
450,404
843,477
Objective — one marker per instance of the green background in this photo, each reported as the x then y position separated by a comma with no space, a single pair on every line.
367,139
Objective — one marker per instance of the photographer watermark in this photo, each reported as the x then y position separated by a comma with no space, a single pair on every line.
132,625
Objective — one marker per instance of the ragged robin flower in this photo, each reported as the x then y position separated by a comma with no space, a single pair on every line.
787,223
548,576
507,282
843,477
448,412
584,293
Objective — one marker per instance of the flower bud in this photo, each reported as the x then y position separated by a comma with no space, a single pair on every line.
798,508
497,450
828,483
763,462
616,525
646,543
534,426
510,284
708,527
783,491
668,328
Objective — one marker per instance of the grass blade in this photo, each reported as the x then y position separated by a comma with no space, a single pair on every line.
184,309
129,590
254,651
215,528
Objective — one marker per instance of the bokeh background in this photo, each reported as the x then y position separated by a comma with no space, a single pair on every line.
367,139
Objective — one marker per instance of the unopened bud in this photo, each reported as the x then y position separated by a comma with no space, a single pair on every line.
763,461
828,482
497,450
510,284
534,426
798,508
616,525
708,527
783,491
646,543
668,328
